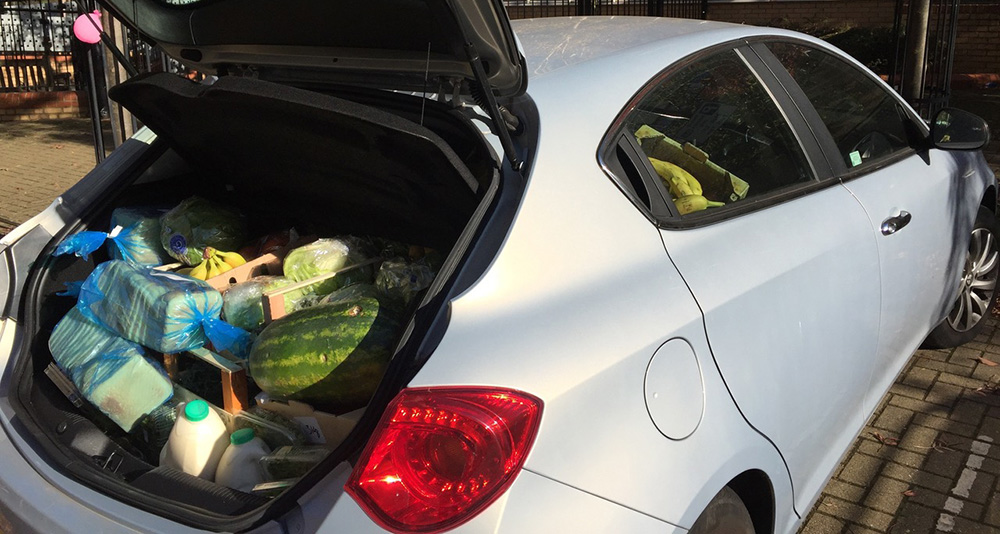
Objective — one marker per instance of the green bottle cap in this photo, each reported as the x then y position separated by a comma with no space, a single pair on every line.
241,436
196,410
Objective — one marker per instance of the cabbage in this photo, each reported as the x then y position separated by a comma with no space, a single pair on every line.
197,223
325,256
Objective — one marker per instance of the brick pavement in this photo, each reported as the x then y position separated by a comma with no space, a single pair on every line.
929,459
38,161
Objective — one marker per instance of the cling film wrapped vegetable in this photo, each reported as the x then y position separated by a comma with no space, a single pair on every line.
134,237
242,302
110,372
197,223
164,311
402,279
326,256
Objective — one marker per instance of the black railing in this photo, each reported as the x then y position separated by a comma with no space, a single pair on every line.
933,75
36,46
522,9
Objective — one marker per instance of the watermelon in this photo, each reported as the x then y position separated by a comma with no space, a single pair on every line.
330,355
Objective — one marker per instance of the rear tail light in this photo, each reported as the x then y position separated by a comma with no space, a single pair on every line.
441,455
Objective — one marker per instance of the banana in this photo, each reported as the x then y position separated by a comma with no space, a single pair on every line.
200,271
692,203
232,259
680,182
215,266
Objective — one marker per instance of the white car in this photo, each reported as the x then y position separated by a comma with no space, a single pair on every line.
683,262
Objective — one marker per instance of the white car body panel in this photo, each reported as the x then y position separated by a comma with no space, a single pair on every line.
928,253
794,343
598,364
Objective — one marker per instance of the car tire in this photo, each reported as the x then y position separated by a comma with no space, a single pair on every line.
978,288
725,514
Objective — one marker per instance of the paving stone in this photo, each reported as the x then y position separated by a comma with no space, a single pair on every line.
844,490
965,356
968,411
963,381
916,478
886,494
822,524
919,406
946,367
894,419
947,464
920,377
918,438
860,469
944,394
913,518
855,513
945,425
892,453
908,391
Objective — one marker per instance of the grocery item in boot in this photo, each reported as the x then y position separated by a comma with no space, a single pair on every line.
239,468
110,372
330,355
134,237
197,223
197,441
326,256
164,311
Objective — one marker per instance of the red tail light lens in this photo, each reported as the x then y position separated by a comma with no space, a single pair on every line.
441,455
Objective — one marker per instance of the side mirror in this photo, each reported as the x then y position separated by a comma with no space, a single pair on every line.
954,129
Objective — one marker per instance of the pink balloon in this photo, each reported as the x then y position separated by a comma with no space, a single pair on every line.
85,30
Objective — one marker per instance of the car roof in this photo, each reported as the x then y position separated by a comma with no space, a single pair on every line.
557,43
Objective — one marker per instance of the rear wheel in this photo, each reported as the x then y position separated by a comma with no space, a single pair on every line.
977,290
725,514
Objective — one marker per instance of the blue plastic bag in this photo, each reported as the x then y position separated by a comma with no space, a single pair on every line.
134,237
164,311
110,372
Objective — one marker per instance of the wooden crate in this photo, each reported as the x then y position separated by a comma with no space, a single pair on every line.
232,372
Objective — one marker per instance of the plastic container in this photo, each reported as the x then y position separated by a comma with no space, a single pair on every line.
275,429
240,467
197,441
292,462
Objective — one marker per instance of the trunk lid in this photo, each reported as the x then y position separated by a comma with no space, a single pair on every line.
397,44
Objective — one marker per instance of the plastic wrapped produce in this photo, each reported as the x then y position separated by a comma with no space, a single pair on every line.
164,311
134,237
197,223
275,429
242,306
326,256
401,279
110,372
292,462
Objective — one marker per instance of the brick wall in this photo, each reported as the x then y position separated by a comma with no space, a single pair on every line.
43,105
977,46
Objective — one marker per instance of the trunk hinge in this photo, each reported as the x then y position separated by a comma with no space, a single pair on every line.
488,101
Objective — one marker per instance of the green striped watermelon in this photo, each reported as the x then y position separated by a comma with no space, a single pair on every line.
331,355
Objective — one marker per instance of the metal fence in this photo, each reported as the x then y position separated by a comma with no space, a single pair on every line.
932,67
36,46
522,9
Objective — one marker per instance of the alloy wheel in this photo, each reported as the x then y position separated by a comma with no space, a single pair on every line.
979,280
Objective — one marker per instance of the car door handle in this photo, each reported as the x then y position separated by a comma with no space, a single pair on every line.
893,224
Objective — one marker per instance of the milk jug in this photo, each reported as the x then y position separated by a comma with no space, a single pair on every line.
197,441
239,467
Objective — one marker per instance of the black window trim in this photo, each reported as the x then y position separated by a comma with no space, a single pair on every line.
842,173
815,157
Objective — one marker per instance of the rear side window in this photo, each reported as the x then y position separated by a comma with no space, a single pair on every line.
866,121
711,130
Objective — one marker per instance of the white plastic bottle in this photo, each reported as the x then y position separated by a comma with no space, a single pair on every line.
197,441
240,467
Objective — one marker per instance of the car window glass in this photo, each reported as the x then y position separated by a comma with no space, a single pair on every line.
715,137
866,121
